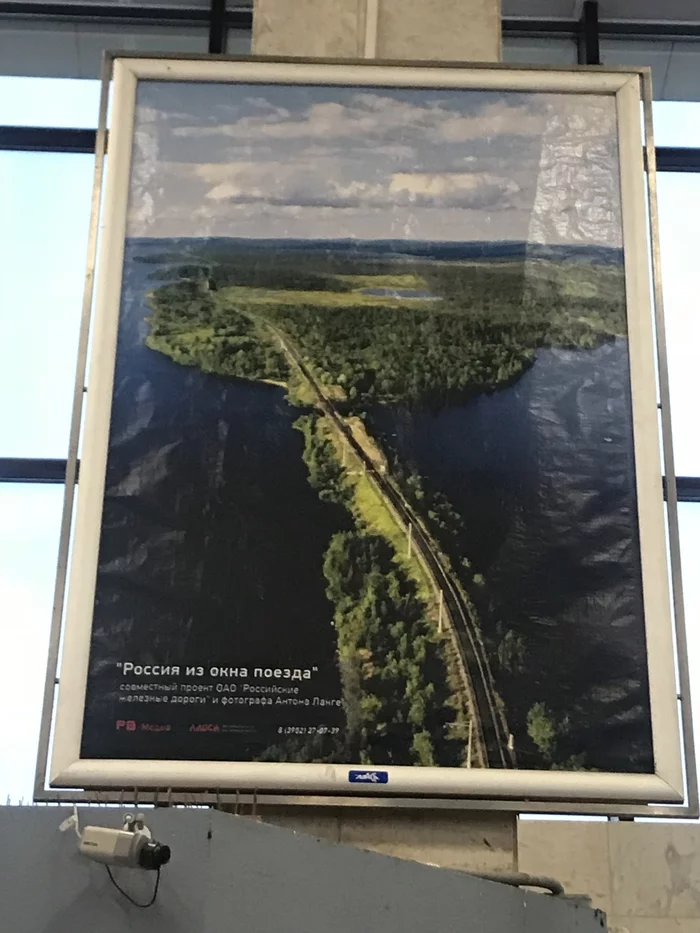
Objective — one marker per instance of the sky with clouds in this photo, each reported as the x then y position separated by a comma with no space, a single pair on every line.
303,162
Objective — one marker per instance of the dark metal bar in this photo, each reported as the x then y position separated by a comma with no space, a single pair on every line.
46,139
687,488
56,139
24,470
564,28
39,470
642,30
677,159
240,19
105,13
534,28
589,35
243,20
217,27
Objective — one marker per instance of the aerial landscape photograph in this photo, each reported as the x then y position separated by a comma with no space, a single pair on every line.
372,426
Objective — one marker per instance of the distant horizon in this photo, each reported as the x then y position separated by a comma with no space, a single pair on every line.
352,239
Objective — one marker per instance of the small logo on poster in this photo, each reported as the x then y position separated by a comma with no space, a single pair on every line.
368,777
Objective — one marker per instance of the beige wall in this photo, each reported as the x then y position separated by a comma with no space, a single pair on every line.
645,876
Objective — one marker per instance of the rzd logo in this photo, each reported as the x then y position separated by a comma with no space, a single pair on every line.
127,724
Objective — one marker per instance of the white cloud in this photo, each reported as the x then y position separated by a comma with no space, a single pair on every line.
372,116
445,184
306,184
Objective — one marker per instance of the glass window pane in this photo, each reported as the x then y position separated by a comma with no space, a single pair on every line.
65,102
676,123
538,51
679,222
44,222
76,49
689,519
29,529
238,42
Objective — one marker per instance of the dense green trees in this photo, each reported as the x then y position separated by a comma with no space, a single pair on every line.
325,473
542,730
549,735
189,326
395,685
401,354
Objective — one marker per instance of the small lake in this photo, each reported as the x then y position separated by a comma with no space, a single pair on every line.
388,292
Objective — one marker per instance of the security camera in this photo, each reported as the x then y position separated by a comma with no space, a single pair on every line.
132,846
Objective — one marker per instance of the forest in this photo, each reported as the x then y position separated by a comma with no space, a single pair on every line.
471,327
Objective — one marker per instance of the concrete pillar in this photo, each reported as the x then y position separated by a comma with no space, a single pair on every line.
434,30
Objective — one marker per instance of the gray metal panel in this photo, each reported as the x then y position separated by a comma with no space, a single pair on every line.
542,9
252,877
534,51
637,54
65,50
675,66
238,42
315,886
659,11
649,11
683,76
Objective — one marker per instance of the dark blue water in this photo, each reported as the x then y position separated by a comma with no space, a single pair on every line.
213,541
542,476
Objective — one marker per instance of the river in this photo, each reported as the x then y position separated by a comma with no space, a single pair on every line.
212,543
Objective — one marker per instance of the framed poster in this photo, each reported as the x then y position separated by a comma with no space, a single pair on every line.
370,495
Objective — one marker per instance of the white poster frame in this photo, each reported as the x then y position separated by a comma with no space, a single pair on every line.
568,789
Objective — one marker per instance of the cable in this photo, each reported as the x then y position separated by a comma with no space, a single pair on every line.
128,896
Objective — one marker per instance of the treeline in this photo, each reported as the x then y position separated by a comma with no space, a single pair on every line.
282,273
188,325
482,335
381,354
568,303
